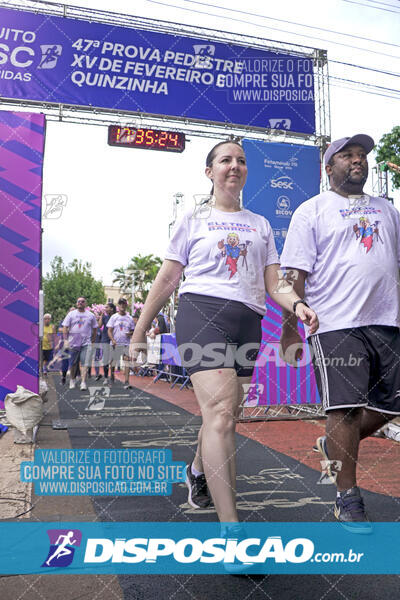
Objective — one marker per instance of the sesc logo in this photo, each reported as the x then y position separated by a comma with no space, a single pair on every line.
284,182
62,547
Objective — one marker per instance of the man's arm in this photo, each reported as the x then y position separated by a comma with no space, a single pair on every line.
286,296
110,335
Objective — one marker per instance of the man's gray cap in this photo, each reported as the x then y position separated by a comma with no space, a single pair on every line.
363,140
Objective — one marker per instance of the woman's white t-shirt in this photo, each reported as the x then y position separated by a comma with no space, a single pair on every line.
224,254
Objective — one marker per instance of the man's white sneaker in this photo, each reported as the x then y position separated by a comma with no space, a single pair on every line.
83,385
105,382
72,384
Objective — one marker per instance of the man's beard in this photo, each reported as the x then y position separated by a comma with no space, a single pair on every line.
360,178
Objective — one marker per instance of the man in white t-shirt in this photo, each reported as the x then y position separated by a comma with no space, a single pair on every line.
120,328
345,247
79,330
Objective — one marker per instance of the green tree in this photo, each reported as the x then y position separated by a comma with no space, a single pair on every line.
65,283
140,272
388,149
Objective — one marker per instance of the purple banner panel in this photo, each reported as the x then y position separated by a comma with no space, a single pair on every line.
72,61
21,166
274,381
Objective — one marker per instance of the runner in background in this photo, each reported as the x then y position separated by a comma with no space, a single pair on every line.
120,328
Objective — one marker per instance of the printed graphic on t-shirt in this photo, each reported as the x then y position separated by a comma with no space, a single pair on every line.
213,225
367,233
80,321
231,250
352,212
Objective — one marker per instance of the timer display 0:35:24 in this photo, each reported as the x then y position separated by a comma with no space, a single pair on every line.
151,139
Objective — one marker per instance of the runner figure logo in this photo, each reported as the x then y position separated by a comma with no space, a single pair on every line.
50,55
62,547
98,397
55,203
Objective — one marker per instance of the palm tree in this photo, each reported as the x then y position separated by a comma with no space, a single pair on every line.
123,279
140,274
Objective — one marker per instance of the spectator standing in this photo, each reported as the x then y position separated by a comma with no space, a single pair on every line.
48,341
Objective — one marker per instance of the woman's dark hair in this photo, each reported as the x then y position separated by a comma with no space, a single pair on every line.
112,306
212,153
162,326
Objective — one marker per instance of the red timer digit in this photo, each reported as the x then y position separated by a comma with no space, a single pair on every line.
149,139
162,139
138,138
173,138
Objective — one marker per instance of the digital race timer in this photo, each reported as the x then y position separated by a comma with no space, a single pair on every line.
152,139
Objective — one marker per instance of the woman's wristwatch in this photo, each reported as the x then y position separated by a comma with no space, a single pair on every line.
299,302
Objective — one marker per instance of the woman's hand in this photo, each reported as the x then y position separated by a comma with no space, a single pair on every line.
138,344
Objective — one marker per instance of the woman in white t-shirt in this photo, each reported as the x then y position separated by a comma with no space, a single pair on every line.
230,260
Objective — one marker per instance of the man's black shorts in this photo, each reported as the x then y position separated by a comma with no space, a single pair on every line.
358,367
47,355
214,333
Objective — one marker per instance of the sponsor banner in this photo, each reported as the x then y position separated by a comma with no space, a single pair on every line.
193,548
129,472
275,382
62,60
281,177
21,165
153,350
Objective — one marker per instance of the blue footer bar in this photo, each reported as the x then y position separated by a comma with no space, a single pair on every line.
197,548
